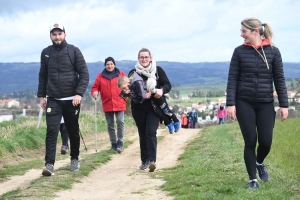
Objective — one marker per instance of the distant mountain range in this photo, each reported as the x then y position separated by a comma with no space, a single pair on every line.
16,77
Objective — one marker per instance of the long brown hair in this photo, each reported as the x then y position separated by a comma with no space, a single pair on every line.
253,23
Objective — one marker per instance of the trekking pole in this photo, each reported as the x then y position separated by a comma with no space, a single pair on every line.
85,148
96,134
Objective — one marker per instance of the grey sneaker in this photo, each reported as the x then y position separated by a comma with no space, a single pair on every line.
48,170
64,149
74,165
253,185
262,172
119,148
152,166
144,165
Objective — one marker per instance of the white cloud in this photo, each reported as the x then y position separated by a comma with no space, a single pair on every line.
178,30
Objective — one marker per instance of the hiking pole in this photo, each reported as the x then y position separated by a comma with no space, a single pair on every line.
96,134
85,148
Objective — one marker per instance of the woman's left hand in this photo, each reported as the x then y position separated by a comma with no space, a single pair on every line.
283,113
159,93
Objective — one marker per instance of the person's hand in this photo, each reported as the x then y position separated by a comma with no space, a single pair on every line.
43,103
283,113
95,94
76,101
159,93
231,112
148,95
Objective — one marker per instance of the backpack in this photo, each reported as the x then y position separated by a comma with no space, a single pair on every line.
132,71
142,84
71,53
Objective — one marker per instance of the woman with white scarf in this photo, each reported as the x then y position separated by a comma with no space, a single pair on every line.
143,113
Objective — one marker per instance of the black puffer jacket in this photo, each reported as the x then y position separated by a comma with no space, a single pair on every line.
59,79
162,83
250,80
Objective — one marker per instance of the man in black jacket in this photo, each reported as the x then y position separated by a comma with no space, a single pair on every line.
62,83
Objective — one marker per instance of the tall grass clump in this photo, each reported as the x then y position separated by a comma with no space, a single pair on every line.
212,166
23,133
20,134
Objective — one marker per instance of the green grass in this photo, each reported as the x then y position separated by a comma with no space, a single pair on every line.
24,134
212,166
187,89
23,142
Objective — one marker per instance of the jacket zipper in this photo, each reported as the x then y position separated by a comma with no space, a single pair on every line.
256,74
58,72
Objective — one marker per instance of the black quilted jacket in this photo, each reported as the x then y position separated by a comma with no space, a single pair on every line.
59,79
250,80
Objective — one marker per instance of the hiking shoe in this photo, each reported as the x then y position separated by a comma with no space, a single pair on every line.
48,170
113,147
152,166
262,172
119,148
64,149
144,165
74,165
171,127
177,126
253,185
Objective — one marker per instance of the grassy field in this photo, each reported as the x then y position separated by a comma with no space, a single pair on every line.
212,166
187,89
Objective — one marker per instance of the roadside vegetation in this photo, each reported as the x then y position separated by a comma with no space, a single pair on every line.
212,166
22,144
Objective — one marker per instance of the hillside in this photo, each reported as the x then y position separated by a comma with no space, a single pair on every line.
24,76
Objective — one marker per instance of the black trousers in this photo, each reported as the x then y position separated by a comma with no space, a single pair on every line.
55,109
147,123
256,122
64,134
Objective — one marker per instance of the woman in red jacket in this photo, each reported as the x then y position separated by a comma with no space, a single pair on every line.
106,84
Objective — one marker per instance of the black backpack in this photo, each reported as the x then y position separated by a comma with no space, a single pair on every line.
71,53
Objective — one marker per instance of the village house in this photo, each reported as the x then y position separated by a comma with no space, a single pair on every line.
8,103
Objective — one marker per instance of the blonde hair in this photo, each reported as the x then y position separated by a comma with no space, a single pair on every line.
253,23
144,50
122,81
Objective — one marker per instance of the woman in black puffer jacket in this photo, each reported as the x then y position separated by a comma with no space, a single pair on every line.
254,67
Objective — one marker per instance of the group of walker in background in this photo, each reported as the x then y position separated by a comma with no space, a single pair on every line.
189,119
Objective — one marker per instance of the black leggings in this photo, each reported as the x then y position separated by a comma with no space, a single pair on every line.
256,122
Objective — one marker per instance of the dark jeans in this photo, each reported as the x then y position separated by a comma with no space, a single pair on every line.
147,122
221,120
55,109
256,122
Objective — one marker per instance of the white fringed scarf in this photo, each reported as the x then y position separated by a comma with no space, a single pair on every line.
149,72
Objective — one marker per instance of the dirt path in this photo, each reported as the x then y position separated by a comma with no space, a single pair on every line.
119,178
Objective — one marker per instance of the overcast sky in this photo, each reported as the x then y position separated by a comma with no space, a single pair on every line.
173,30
